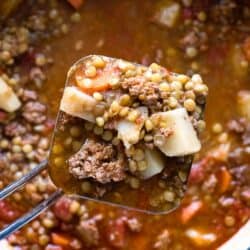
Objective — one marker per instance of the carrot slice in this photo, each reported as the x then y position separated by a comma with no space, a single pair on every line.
225,180
59,239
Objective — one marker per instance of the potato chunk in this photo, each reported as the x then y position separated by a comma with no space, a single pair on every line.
76,103
8,99
129,132
155,163
183,139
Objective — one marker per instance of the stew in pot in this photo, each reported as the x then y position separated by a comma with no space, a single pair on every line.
40,41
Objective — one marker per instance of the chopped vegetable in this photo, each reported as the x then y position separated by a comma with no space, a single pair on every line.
155,163
60,239
129,132
224,180
182,139
76,103
8,99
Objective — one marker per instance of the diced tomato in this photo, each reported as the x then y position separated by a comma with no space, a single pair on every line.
190,211
197,173
7,212
116,233
76,3
60,239
62,209
224,180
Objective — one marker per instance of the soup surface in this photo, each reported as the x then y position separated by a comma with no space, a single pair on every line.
37,47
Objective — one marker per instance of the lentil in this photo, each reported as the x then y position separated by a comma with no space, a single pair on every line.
100,121
98,96
75,131
229,221
133,115
190,105
107,136
169,196
134,183
90,71
98,62
217,128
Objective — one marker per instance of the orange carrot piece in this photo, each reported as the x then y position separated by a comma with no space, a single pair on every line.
59,239
100,83
76,3
190,211
225,180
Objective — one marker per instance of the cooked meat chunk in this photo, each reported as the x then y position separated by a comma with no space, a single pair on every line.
138,87
14,129
98,160
34,112
28,95
88,230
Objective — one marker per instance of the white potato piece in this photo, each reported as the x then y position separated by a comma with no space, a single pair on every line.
76,103
243,101
155,163
129,132
9,101
183,140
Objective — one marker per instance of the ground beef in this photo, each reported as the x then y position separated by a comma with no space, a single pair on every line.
237,126
30,139
34,112
147,92
242,127
162,241
101,161
14,129
88,230
28,95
